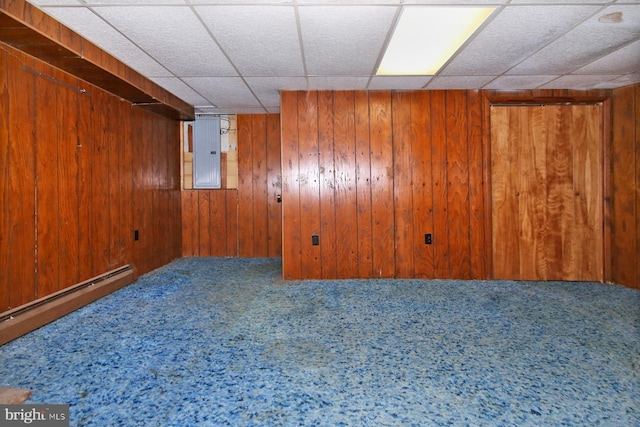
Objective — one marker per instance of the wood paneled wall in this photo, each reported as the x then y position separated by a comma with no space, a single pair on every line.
259,185
248,222
625,167
210,223
80,171
371,173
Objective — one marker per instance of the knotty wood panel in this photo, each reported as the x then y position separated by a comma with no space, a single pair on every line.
21,280
4,182
259,184
381,139
547,184
441,248
291,216
421,175
209,223
344,184
458,184
408,157
259,214
625,165
328,248
403,185
47,196
71,186
309,183
274,187
364,216
67,143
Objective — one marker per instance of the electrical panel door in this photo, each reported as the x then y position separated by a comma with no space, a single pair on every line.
206,152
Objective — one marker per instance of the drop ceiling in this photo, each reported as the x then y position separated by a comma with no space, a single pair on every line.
236,56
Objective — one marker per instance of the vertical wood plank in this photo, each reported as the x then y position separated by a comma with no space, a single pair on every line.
421,176
48,204
204,227
116,245
259,184
68,190
402,185
636,109
476,186
328,248
309,183
529,172
440,177
505,247
22,169
84,150
274,186
458,185
586,135
217,221
188,226
345,184
4,183
364,204
382,184
100,184
126,187
245,186
559,192
231,204
624,218
291,259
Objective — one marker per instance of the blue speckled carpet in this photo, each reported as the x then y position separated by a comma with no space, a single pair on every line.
214,342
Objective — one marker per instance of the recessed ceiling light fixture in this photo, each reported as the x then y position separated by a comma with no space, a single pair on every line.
426,37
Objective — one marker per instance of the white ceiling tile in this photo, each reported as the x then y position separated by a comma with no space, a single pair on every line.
97,31
456,2
398,82
626,80
459,82
240,2
267,89
55,2
578,81
173,36
180,89
344,40
223,91
586,43
553,2
512,36
518,82
132,2
260,40
622,61
208,109
337,83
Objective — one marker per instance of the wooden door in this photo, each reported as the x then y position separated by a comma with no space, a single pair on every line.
547,192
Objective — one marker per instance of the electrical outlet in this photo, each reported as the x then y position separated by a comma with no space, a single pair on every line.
427,239
315,240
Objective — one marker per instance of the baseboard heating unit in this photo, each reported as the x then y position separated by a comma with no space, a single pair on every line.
28,317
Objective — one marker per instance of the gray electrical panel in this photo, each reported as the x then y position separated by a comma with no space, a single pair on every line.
206,152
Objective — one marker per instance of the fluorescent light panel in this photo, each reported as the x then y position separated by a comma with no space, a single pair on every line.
426,37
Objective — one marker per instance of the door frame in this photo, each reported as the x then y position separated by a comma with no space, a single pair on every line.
549,97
